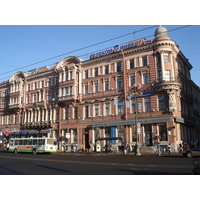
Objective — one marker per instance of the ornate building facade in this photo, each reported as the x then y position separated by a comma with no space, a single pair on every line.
137,93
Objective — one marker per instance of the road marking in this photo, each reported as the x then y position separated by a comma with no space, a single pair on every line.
103,163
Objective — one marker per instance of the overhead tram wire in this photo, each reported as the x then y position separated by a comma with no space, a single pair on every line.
92,46
80,49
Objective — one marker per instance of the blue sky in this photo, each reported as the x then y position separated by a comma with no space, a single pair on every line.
24,45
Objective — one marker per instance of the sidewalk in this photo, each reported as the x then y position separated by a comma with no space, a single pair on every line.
117,154
111,154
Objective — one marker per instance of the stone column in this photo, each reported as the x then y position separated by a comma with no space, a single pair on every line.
162,65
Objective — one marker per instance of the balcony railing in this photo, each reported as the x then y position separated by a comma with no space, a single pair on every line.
38,124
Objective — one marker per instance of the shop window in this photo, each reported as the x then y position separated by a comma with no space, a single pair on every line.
163,131
148,134
97,133
121,132
133,134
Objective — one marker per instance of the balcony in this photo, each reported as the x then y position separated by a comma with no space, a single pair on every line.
15,106
38,125
67,97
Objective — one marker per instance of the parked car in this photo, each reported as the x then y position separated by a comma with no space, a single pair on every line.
192,152
196,169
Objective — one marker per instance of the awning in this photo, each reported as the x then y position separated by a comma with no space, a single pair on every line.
109,138
13,133
24,132
44,131
32,132
18,132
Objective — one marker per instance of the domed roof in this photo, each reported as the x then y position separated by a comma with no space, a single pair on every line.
161,32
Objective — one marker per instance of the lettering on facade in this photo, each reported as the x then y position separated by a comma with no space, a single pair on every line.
117,48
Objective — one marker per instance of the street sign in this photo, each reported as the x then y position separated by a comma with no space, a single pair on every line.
138,130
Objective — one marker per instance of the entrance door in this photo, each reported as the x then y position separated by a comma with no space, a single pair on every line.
148,134
86,138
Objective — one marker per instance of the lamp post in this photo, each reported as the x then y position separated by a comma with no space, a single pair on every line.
136,94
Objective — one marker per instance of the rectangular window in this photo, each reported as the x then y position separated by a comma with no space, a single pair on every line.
132,64
63,91
144,61
119,83
132,80
96,110
70,90
119,66
66,113
86,111
96,87
161,102
133,106
86,89
75,112
96,72
66,91
86,74
107,85
107,69
107,109
145,78
120,108
166,58
66,76
147,104
56,94
167,75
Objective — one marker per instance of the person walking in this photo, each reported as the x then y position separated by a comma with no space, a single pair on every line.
169,148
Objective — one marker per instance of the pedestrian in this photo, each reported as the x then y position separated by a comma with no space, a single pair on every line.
88,147
128,148
72,147
180,148
169,148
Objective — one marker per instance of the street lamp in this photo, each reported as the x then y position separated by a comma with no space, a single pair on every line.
136,94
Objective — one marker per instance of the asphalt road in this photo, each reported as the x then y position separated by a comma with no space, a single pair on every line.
71,164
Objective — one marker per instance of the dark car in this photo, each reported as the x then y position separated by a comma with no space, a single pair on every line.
192,152
196,169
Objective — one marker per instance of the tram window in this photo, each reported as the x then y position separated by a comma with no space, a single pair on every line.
20,142
34,142
11,142
30,142
16,142
40,142
25,142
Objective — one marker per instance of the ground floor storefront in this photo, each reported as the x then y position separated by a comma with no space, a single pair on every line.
118,135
